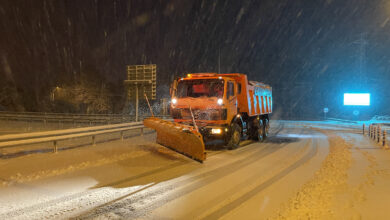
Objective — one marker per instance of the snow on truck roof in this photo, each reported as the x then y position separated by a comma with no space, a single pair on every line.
252,83
259,84
214,74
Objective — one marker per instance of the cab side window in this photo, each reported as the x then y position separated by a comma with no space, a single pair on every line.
230,88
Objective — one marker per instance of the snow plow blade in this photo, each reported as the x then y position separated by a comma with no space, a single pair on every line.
181,138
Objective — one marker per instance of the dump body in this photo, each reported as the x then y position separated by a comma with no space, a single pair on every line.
255,97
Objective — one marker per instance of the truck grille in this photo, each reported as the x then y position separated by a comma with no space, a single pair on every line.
209,114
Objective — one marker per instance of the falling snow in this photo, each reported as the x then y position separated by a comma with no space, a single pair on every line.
310,52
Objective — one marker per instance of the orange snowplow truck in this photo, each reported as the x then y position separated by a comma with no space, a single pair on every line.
208,106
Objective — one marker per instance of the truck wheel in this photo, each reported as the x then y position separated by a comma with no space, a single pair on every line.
260,133
233,141
266,128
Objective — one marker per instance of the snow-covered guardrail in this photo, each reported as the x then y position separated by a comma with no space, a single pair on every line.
69,118
13,140
341,120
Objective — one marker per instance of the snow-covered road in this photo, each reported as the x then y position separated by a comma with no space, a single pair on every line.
304,170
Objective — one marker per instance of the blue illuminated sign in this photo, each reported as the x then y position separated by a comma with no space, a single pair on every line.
362,99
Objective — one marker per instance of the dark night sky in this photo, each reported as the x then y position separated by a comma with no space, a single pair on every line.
309,51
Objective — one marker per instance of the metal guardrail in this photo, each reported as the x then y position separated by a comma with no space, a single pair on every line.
341,120
69,118
12,140
381,118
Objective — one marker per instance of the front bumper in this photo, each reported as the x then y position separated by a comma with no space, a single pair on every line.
210,132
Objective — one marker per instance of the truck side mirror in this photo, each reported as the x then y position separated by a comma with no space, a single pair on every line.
230,90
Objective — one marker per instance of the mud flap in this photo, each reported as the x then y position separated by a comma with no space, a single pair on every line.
181,138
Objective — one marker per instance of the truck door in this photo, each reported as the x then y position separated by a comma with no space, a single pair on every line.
232,100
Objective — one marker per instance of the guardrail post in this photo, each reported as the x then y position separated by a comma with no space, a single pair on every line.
93,140
142,131
369,130
55,146
121,135
384,138
376,133
45,120
364,128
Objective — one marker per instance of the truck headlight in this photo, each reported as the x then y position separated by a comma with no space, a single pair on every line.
174,101
220,101
216,131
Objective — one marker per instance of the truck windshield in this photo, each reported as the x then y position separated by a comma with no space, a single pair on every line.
200,87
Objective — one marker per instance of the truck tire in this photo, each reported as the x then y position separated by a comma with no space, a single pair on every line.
233,140
257,130
266,128
258,133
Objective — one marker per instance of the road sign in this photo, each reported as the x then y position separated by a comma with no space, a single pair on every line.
362,99
326,110
142,77
141,81
356,112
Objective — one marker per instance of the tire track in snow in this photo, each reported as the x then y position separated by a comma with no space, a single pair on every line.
73,199
237,202
158,191
104,209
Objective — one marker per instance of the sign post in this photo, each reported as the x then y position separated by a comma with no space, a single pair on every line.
326,110
356,115
141,81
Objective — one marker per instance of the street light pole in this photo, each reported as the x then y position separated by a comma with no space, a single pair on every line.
136,102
